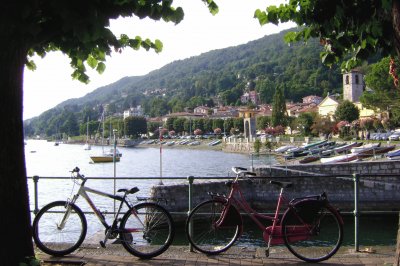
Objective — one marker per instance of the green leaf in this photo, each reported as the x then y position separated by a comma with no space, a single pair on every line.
328,58
290,37
92,62
158,46
261,16
101,67
30,64
213,7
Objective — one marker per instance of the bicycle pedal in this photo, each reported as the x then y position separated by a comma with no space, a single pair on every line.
267,253
102,244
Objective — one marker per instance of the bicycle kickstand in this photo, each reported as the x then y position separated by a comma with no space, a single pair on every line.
103,243
268,246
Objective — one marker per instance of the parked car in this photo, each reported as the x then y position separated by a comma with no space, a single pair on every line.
394,136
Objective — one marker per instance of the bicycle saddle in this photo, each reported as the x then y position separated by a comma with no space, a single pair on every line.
281,184
129,191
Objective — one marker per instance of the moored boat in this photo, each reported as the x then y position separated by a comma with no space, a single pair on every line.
365,147
314,144
340,158
346,147
375,151
309,159
105,158
395,153
283,149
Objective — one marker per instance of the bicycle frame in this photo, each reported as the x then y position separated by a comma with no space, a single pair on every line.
83,191
272,234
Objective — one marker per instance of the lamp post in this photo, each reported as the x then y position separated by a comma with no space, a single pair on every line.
115,167
161,137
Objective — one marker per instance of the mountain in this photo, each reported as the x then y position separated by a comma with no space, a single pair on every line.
217,76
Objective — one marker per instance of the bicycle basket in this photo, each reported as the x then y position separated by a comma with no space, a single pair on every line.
230,218
306,210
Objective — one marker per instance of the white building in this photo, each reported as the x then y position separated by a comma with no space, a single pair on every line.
133,111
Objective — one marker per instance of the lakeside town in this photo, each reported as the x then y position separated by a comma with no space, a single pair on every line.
305,132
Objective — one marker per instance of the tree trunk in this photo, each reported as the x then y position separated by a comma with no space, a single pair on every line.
397,257
14,201
396,42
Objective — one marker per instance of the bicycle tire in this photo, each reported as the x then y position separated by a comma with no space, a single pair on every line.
57,241
321,235
156,230
205,236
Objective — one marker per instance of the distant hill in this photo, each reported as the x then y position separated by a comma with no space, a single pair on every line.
217,76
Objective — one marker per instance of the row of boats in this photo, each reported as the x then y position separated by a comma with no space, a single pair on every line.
108,156
187,142
331,152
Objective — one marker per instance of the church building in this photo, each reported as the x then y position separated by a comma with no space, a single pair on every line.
353,87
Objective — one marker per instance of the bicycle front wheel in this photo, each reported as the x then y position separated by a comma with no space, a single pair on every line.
316,237
59,228
147,230
207,233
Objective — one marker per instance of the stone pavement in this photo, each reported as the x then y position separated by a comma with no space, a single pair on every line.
115,255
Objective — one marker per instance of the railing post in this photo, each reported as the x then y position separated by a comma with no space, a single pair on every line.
356,179
190,179
35,179
252,162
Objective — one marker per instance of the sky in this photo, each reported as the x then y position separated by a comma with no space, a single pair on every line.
199,32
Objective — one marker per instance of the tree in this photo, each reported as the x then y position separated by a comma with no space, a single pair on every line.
179,124
382,93
347,111
322,125
278,108
135,125
263,122
266,89
305,122
351,30
80,30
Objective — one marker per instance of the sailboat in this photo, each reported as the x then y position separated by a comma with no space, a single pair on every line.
87,145
105,157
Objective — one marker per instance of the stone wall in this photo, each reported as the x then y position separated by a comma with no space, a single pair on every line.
375,193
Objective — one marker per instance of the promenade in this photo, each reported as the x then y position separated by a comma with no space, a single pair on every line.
115,255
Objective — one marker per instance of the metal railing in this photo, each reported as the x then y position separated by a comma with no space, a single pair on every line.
356,178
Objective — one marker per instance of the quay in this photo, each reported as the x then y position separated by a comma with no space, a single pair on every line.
115,255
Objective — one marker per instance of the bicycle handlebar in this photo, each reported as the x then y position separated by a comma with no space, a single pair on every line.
76,170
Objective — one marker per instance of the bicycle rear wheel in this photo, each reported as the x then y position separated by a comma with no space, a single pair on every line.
59,228
205,235
314,237
147,230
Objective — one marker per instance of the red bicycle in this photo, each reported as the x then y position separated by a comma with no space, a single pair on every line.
310,227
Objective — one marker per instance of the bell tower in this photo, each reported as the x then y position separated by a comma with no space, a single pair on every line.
353,86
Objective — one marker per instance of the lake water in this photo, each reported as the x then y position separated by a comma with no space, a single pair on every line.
46,160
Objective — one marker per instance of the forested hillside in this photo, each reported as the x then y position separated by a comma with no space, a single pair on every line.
219,76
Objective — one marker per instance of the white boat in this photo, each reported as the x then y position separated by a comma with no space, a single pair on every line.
365,147
87,146
283,149
170,143
340,158
394,155
117,152
215,142
194,143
